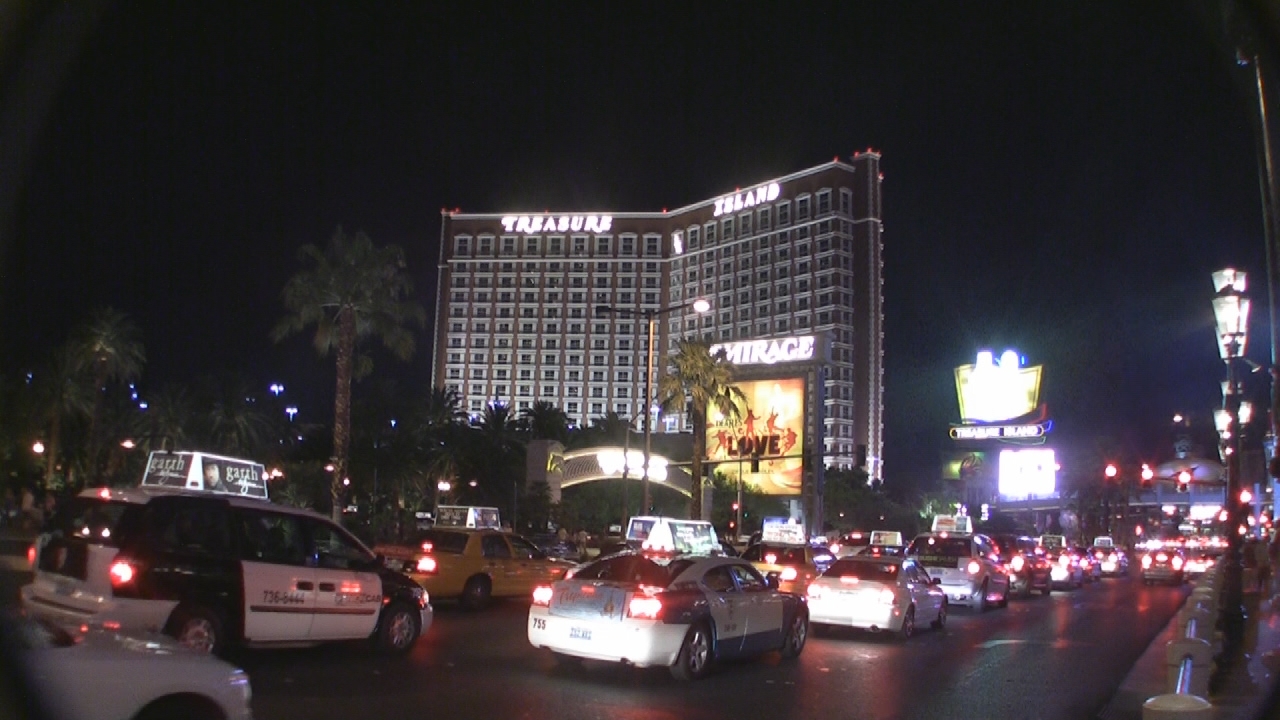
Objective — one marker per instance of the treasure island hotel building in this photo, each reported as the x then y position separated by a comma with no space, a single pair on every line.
516,318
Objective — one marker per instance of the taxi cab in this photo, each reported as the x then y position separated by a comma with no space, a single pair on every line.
783,549
967,563
198,551
468,557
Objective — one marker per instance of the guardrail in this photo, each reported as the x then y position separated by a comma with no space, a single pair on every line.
1189,656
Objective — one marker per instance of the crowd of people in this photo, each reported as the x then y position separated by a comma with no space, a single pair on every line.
27,509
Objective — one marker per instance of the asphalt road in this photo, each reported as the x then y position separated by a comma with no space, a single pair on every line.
1057,657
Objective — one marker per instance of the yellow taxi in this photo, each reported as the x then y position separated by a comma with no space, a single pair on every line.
784,549
473,564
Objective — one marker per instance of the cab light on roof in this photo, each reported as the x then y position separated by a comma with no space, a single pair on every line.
771,559
105,493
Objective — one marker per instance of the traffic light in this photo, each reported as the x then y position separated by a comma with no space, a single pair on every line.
1111,471
1184,481
735,507
1148,476
1246,497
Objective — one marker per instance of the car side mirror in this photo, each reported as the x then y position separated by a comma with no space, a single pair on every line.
771,580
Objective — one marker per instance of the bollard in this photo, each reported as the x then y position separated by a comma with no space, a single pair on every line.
1201,654
1177,707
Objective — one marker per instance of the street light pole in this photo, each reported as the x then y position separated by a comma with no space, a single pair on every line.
1231,314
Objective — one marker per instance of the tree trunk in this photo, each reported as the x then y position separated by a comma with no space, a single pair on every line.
342,409
699,416
55,439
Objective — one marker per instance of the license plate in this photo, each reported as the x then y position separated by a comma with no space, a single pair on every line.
579,633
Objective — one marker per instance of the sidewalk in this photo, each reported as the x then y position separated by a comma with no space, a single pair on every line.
1248,690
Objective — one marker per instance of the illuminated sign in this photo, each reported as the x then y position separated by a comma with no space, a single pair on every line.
614,462
783,531
991,392
1025,474
767,352
557,223
750,198
999,432
762,445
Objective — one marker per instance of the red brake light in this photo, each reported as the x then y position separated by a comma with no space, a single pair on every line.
1162,557
789,573
1146,561
542,595
121,573
1018,563
1098,554
1177,562
888,597
427,546
426,564
974,568
31,556
644,606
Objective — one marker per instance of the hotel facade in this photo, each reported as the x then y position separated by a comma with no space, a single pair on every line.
801,255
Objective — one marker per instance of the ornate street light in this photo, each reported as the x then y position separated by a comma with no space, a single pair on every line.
1231,315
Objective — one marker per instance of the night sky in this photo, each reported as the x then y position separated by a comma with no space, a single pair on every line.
1060,178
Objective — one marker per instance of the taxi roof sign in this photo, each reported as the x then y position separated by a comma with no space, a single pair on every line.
206,473
783,531
962,524
886,537
466,516
671,535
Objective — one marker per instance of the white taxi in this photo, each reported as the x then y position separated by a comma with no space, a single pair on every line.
877,593
968,565
679,612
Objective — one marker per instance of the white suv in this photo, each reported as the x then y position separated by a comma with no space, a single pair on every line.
967,564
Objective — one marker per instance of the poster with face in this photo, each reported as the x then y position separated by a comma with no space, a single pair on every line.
769,428
233,477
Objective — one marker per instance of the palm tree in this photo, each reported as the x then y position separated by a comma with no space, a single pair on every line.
235,425
109,347
166,423
696,382
63,393
545,421
351,292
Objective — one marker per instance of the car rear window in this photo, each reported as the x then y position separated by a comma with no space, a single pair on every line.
93,519
444,541
782,554
952,547
862,569
628,569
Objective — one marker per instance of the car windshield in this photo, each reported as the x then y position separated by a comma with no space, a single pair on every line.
862,570
951,547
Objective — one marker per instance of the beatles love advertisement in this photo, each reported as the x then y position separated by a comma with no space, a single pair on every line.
769,426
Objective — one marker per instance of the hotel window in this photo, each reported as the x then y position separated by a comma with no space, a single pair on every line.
781,325
462,245
803,267
479,358
693,237
477,389
486,246
622,393
579,245
824,202
455,357
802,303
597,392
575,376
624,376
531,246
457,327
555,246
499,390
784,213
597,376
710,230
597,359
526,374
802,209
508,245
627,245
763,215
726,228
548,390
575,344
455,374
575,359
478,342
573,407
526,359
651,298
500,374
623,360
549,359
597,408
744,224
762,294
602,245
652,247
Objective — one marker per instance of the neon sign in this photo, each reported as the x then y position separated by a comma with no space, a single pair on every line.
991,391
750,198
530,224
767,352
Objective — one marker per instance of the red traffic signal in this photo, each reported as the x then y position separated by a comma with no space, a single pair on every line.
1111,470
1147,473
735,506
1246,497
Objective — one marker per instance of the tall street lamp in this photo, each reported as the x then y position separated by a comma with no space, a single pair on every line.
650,315
1231,315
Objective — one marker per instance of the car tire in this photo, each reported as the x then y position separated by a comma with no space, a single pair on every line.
908,625
188,707
477,592
199,628
694,660
797,635
940,622
1048,587
398,629
982,598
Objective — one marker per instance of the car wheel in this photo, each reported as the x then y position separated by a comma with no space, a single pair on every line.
199,628
477,592
694,660
1048,587
908,625
398,629
941,621
982,598
797,634
189,708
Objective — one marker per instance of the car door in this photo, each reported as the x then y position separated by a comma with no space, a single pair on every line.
498,564
727,611
279,587
764,611
348,589
926,597
189,554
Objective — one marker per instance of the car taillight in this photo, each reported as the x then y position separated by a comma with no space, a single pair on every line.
426,564
31,556
1162,557
974,568
1112,557
645,607
1064,560
427,546
1146,561
1018,563
835,548
888,597
1098,554
1177,562
789,573
542,595
122,572
771,559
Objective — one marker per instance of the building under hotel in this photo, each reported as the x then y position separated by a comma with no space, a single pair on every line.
516,317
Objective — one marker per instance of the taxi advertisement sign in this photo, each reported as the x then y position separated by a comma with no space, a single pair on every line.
962,524
783,530
210,473
465,516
